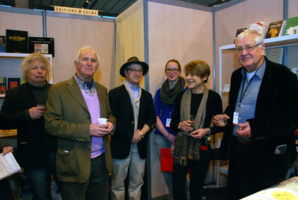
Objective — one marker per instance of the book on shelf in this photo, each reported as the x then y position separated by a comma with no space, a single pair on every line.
2,85
240,30
42,45
8,165
2,43
13,82
275,54
276,29
292,26
16,41
261,27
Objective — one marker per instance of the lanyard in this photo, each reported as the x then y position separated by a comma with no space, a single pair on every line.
242,94
171,107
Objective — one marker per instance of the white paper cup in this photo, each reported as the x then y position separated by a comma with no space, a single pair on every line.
102,120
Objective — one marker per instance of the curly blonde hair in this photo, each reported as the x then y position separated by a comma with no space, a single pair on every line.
25,65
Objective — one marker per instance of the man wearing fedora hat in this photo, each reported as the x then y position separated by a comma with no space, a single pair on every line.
134,111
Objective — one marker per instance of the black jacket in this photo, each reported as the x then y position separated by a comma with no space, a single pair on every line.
276,113
33,143
122,109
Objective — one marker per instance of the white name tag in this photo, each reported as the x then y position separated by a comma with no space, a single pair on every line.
235,118
168,123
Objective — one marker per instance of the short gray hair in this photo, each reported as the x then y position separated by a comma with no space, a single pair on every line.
76,58
256,35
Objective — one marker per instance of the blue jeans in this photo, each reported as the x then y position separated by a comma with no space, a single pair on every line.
39,179
162,142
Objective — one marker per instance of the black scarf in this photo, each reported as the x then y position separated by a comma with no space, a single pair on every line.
167,94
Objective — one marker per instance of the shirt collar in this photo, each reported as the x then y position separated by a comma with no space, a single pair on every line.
83,84
132,87
259,72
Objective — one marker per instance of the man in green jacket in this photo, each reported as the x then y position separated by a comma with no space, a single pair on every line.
73,108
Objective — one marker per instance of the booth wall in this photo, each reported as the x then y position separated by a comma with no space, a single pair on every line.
174,33
25,22
71,34
241,15
292,51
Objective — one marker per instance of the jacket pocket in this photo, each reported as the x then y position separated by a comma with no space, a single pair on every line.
66,163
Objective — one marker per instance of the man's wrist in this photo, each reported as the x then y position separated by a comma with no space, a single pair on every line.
141,134
208,131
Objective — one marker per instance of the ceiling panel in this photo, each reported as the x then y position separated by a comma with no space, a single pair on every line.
106,7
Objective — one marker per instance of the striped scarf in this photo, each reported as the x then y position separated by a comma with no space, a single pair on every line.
187,147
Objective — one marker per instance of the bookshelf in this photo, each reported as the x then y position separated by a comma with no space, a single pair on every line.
9,59
282,41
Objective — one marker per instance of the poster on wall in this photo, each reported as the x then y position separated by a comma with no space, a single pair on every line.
16,41
41,45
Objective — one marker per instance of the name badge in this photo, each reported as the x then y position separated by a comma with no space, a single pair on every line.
168,122
235,118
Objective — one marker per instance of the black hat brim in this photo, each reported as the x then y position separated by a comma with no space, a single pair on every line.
125,65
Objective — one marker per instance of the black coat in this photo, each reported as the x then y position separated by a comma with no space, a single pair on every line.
32,141
122,109
274,123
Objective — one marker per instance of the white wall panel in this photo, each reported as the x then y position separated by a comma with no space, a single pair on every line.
292,51
18,21
181,33
70,35
241,15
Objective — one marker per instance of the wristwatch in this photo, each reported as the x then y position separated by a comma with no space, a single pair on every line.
141,134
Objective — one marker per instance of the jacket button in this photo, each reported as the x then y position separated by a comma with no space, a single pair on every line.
132,122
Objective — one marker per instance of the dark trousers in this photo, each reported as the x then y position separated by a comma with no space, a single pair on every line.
39,179
251,169
95,188
198,171
5,190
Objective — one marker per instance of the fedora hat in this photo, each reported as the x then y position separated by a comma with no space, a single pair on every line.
133,60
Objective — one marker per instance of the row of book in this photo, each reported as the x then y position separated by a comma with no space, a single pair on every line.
274,29
17,41
9,84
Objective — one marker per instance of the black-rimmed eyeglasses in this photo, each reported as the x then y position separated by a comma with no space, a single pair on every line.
136,71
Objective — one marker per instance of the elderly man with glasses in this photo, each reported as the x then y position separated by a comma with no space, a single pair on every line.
262,117
135,117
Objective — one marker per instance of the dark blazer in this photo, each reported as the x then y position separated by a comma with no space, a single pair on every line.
32,138
68,118
122,109
275,118
276,110
2,144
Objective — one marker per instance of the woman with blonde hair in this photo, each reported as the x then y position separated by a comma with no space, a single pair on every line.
23,109
164,106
